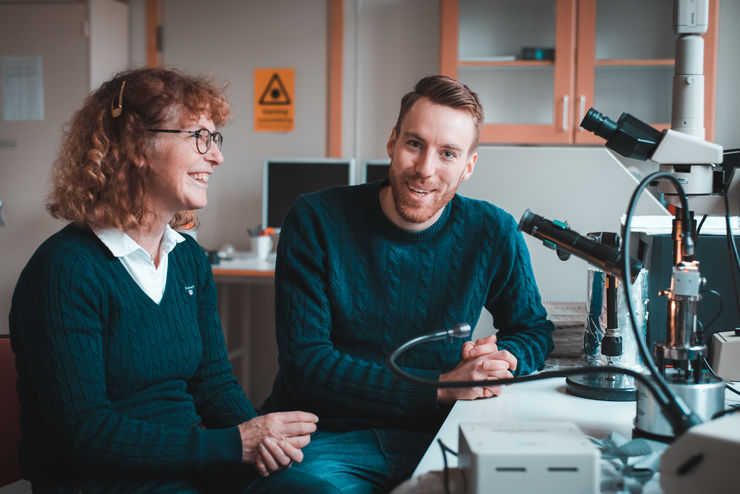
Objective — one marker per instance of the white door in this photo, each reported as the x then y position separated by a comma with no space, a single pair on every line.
54,31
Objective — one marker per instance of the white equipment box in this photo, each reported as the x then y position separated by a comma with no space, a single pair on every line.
703,459
528,457
726,354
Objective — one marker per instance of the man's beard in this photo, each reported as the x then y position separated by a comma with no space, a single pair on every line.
411,211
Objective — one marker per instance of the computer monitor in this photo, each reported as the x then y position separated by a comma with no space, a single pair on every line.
374,170
286,179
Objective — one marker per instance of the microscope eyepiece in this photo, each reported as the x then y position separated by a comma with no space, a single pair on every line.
599,124
629,136
527,222
557,235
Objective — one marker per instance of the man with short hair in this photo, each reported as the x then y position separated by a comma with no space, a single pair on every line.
362,269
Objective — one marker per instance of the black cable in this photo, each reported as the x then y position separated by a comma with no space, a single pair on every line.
722,413
719,312
676,412
709,368
701,223
733,408
699,333
446,449
711,371
574,371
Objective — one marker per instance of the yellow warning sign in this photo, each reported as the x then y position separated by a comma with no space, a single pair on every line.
274,100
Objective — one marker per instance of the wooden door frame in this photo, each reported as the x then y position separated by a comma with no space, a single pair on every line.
335,53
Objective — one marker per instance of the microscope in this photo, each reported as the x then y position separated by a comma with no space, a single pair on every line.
680,357
701,457
696,164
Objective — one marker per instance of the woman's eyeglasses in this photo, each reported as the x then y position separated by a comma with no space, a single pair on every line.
203,137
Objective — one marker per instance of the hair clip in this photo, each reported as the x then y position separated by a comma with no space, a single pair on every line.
116,111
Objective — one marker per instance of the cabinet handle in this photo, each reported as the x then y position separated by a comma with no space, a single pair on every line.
581,109
565,113
2,223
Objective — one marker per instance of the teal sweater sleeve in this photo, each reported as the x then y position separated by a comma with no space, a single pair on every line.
350,287
110,380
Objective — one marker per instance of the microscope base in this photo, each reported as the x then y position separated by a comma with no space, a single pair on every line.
705,398
602,387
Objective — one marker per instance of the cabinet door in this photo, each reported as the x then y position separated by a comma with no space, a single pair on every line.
625,62
485,44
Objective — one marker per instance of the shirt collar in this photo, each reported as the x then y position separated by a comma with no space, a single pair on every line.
121,245
170,239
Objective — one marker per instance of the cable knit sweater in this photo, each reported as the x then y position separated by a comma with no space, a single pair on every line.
109,380
351,286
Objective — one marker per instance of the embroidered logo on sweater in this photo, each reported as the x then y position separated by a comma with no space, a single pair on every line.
190,289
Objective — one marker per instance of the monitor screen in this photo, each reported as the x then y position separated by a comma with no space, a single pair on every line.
286,179
375,170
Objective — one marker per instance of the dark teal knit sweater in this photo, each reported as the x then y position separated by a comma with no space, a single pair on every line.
351,286
109,380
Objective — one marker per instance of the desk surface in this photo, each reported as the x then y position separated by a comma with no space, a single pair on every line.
537,401
244,266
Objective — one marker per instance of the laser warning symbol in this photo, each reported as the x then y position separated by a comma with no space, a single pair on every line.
274,103
275,93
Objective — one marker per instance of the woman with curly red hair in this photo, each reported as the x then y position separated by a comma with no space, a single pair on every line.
123,375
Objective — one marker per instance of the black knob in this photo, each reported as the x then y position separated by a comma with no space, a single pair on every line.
611,346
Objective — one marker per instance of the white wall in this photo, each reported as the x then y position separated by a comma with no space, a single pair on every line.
229,39
137,33
390,44
590,192
109,35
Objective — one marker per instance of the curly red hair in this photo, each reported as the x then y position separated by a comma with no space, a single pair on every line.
99,176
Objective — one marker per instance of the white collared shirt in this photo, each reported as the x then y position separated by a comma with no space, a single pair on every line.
137,261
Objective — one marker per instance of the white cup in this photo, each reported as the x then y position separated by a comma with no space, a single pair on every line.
262,246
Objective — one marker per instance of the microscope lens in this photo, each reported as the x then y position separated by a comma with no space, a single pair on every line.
599,124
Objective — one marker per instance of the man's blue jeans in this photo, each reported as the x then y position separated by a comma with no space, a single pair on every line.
364,461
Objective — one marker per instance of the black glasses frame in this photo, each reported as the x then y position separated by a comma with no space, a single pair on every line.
216,137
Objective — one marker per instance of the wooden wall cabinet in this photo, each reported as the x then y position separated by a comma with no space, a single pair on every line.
613,56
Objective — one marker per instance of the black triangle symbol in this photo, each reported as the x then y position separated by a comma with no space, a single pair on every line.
275,93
